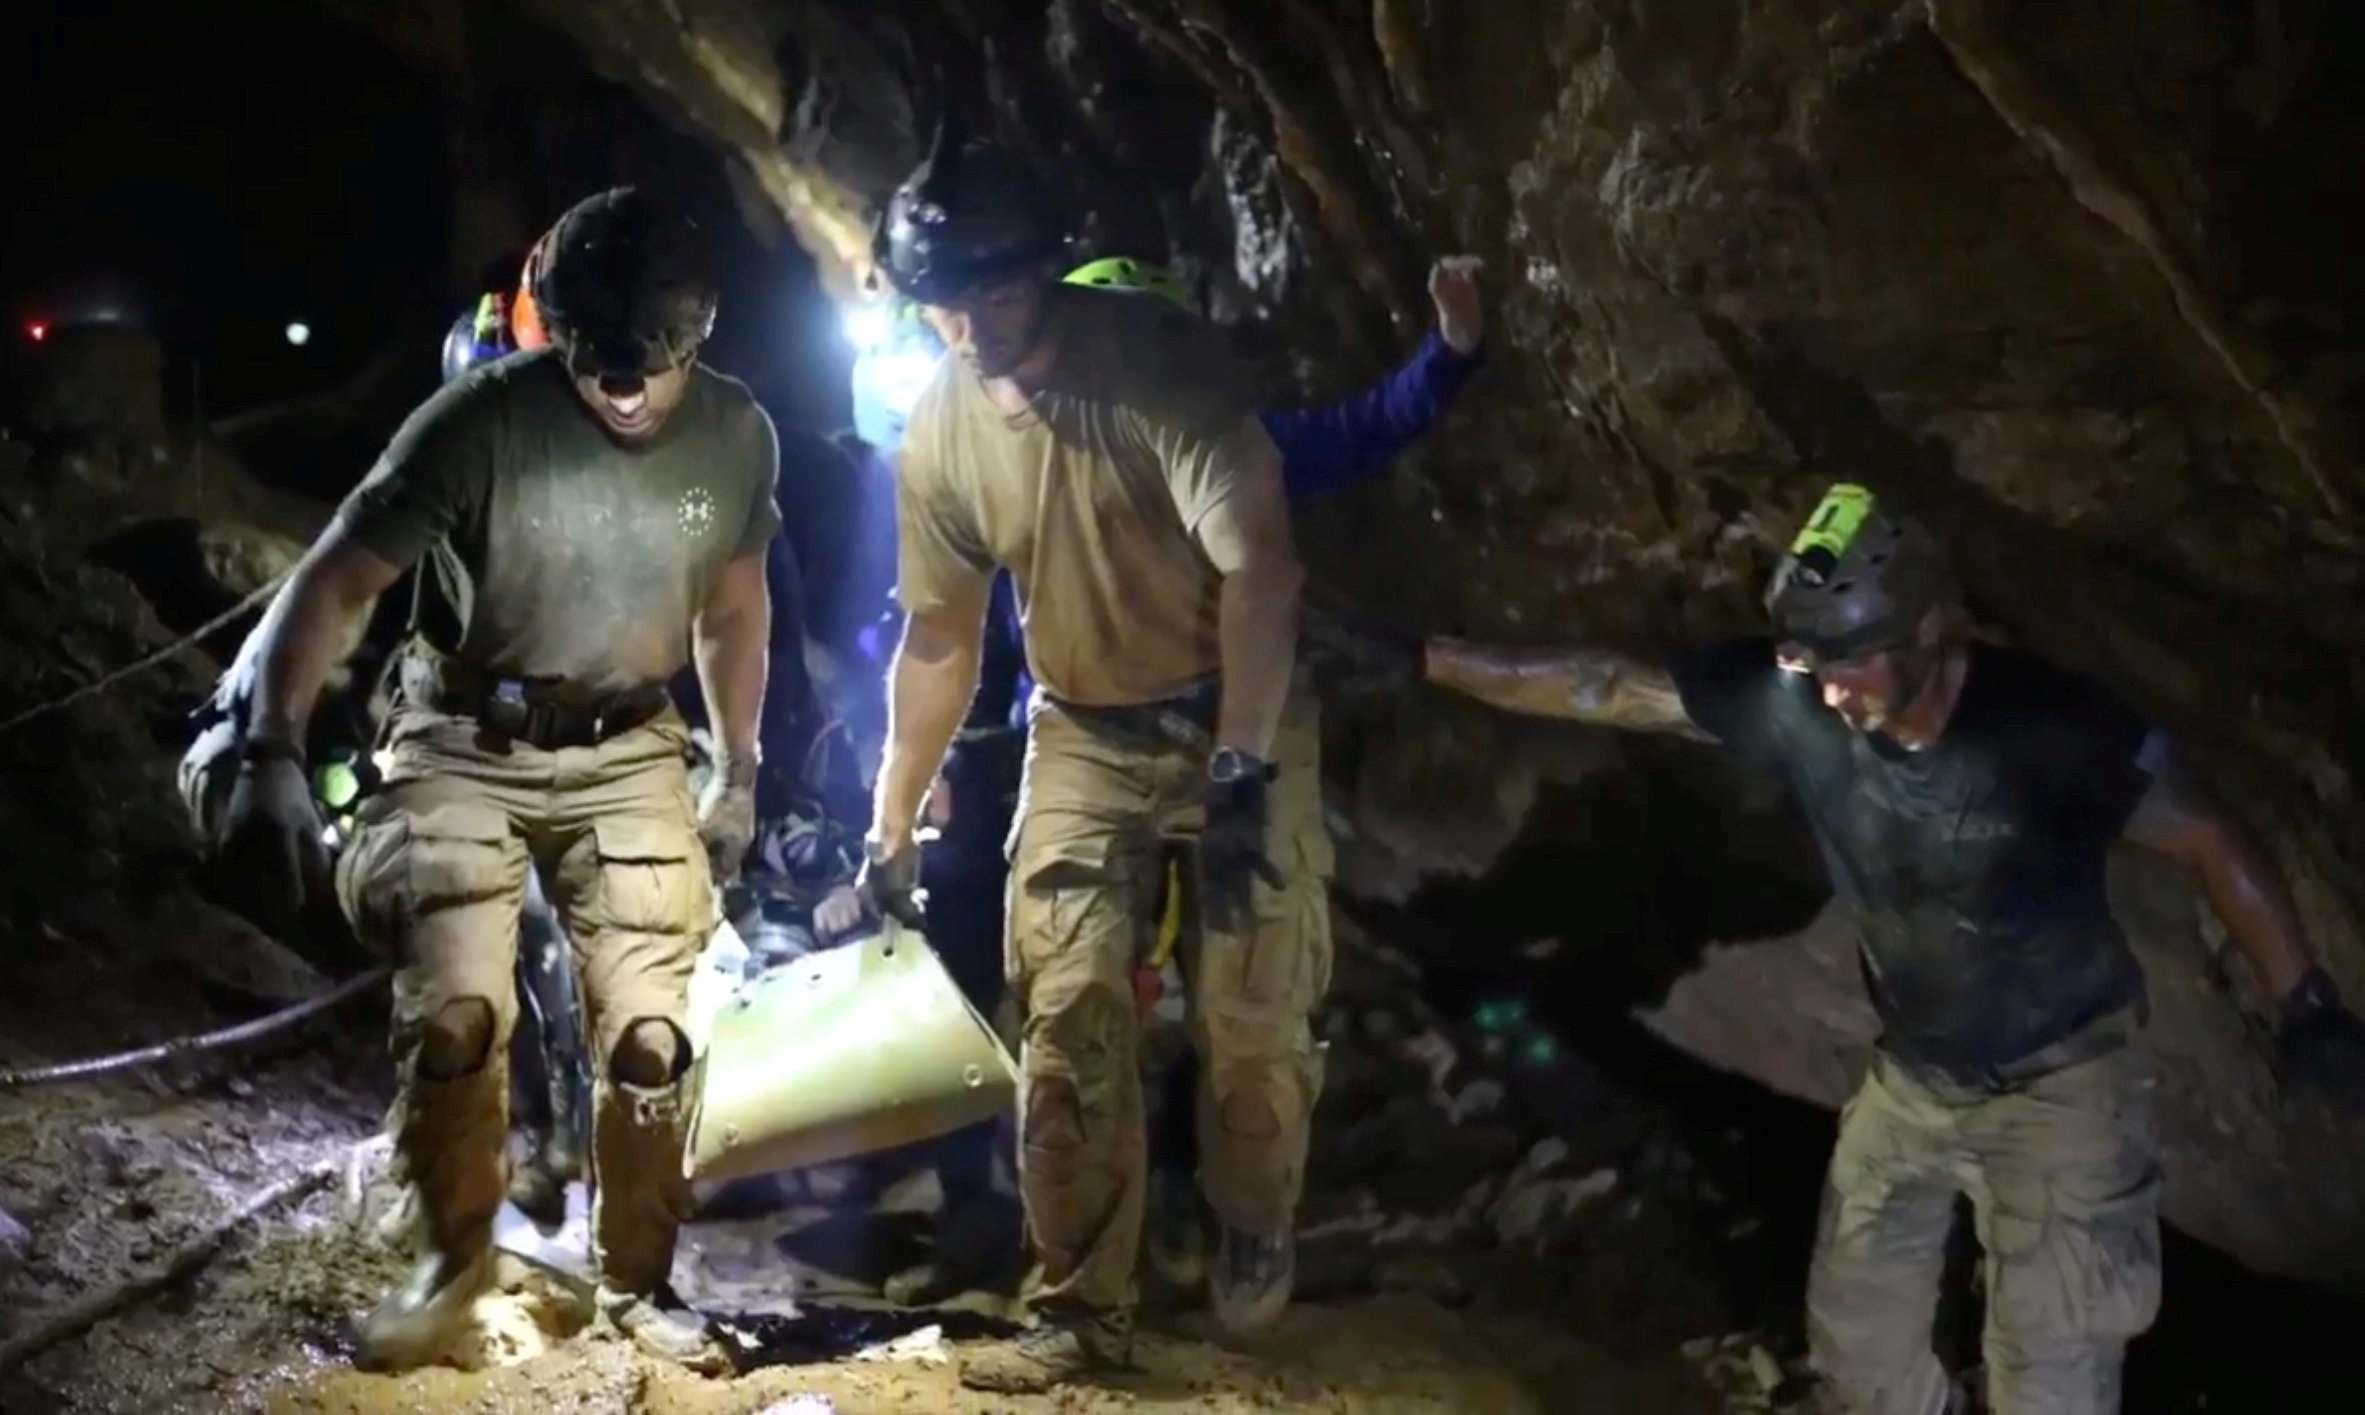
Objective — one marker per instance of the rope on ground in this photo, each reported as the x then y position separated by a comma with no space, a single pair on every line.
220,1040
141,665
92,1308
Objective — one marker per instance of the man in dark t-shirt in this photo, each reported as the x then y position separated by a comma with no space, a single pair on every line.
1965,798
589,518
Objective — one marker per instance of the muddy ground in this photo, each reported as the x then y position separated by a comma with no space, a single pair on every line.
1492,1227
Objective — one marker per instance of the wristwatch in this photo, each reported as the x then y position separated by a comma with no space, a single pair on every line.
1230,764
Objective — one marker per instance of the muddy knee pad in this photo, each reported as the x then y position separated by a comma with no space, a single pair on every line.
652,1054
456,1039
1257,1084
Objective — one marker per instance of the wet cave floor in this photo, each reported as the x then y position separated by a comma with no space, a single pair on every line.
1551,1213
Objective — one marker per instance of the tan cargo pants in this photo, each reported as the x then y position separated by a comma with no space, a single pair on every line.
2065,1189
1095,819
435,878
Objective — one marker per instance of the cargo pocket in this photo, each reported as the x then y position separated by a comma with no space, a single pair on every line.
2087,1264
1276,967
652,876
407,869
1067,905
369,877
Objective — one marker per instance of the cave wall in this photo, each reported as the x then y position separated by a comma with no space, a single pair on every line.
2072,280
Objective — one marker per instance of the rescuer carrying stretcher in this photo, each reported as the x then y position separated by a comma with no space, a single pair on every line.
1965,797
589,515
1325,448
1104,450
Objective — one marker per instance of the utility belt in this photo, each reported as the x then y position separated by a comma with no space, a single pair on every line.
1185,721
548,713
2098,1038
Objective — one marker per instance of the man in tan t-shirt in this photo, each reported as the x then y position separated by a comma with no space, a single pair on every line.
1105,451
585,518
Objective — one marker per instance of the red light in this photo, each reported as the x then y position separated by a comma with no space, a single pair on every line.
38,330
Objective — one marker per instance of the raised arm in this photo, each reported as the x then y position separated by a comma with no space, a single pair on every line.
1602,687
1339,445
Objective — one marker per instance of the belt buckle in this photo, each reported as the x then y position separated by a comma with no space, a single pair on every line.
507,709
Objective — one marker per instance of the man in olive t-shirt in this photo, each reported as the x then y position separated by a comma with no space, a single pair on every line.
591,517
1104,450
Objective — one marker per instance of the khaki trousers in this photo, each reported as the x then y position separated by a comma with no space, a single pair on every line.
2065,1189
435,878
1097,817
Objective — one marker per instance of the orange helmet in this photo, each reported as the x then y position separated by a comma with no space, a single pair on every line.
525,317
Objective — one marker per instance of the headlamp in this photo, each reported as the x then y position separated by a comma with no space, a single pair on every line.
866,327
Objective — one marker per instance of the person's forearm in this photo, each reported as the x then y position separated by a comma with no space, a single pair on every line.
298,641
733,652
1257,635
2248,897
929,686
1598,686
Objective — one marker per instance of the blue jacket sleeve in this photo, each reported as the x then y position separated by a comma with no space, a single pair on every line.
1331,448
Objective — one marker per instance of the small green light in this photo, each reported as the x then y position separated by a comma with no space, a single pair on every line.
336,784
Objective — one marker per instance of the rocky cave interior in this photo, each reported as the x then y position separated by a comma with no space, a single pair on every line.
2069,280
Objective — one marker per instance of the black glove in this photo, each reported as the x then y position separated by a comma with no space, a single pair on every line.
271,863
2322,1047
1232,847
1354,657
890,883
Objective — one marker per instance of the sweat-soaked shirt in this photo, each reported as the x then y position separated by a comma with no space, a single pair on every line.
1090,497
1977,864
552,550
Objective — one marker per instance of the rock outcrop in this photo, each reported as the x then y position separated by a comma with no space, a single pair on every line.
2063,277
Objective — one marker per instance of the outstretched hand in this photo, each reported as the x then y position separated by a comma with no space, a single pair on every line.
270,858
1461,310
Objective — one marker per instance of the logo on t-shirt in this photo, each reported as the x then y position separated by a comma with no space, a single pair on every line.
696,510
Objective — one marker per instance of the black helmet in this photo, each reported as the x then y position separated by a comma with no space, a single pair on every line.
970,214
625,286
1858,579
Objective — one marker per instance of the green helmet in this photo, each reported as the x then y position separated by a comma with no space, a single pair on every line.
1858,579
1120,272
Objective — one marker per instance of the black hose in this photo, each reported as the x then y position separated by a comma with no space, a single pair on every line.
227,1037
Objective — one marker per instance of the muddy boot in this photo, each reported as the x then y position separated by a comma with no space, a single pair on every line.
449,1125
411,1324
1251,1281
1054,1352
1175,1228
639,1197
665,1327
